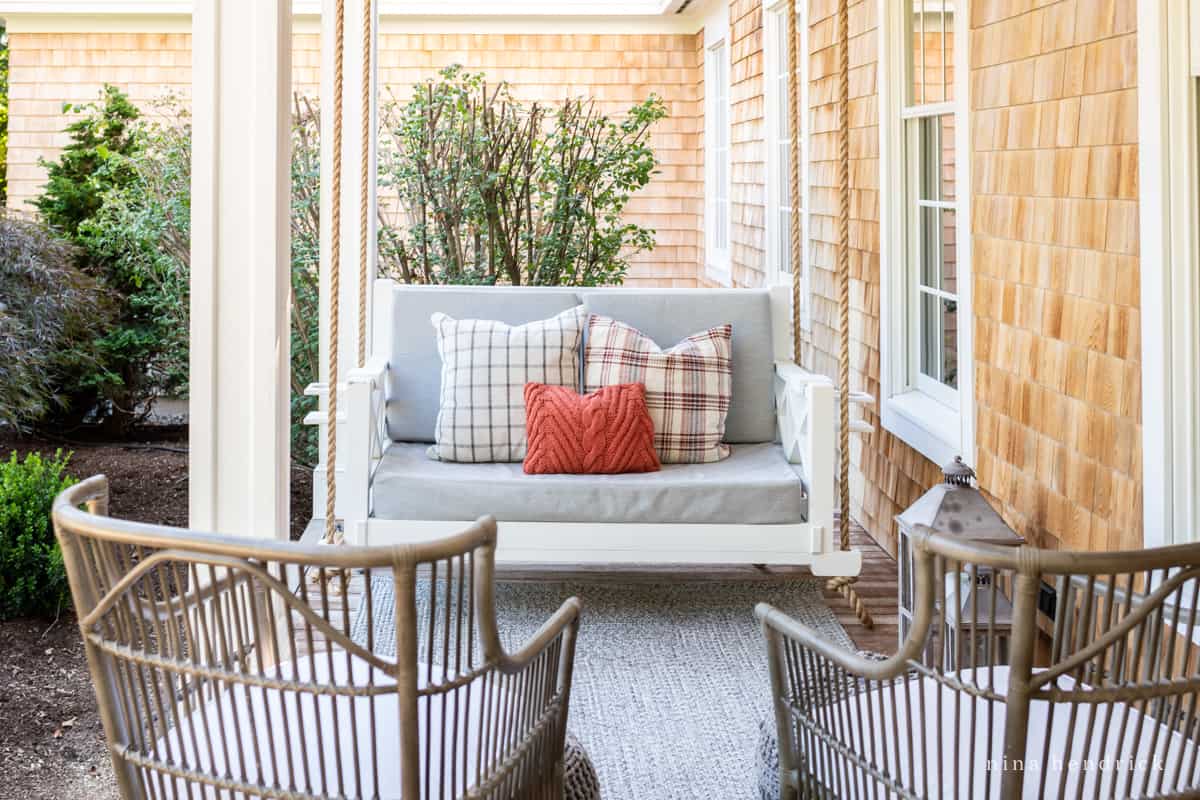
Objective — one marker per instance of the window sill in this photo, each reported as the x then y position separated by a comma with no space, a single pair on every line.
719,273
931,428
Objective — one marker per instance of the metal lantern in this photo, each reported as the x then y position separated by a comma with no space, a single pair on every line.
966,595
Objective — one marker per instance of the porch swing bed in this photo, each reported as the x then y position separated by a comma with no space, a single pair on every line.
770,502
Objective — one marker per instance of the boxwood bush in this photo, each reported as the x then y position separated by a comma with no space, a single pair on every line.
32,579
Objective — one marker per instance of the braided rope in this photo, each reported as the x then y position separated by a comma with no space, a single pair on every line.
844,268
364,196
332,534
845,585
794,156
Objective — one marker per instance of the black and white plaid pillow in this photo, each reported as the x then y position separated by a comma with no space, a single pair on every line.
485,366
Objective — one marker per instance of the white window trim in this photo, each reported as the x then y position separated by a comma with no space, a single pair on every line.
934,429
776,104
1168,58
718,264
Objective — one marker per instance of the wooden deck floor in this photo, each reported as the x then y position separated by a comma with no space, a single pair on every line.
876,585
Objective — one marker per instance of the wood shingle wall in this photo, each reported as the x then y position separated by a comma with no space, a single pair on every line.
886,474
1055,224
47,70
1057,349
617,69
748,154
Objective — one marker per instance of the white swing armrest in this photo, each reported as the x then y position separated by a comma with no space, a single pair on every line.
373,372
365,438
806,410
361,435
807,420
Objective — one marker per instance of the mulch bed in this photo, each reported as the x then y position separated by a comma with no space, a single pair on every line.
51,740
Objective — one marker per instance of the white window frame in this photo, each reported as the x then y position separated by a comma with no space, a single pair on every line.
718,261
937,421
1169,192
778,168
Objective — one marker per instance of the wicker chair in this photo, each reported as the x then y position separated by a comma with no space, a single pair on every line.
1100,695
231,668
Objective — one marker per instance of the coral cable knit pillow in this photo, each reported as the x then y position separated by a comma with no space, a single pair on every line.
605,432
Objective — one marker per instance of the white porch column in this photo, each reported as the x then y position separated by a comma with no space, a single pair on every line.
353,154
239,446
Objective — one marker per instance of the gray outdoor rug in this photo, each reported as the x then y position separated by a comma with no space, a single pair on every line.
670,679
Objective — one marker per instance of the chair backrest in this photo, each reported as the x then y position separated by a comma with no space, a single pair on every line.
1022,666
226,666
402,332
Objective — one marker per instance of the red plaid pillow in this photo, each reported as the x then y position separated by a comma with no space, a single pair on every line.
687,387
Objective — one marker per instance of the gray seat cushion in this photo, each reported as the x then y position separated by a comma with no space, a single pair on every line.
666,317
414,374
754,485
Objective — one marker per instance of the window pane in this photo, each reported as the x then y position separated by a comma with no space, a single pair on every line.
931,56
717,139
931,336
931,247
939,253
784,182
785,240
948,157
949,252
936,180
950,343
939,337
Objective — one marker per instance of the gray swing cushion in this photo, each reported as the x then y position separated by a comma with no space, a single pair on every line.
414,367
755,485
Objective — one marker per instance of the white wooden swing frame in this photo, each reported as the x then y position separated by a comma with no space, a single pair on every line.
810,413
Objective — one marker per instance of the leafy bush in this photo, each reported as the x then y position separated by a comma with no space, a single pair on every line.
3,115
490,191
120,192
49,313
140,238
102,141
306,262
493,192
32,578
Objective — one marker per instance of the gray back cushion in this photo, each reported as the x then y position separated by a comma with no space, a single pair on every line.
415,374
668,316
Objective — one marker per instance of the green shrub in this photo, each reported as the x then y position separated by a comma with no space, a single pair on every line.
492,191
92,162
3,115
49,313
32,578
120,192
139,238
306,262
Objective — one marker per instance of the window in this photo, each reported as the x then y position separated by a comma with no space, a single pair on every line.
925,303
779,128
1169,199
716,146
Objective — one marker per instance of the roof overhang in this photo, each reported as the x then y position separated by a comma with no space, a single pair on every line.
390,8
527,16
